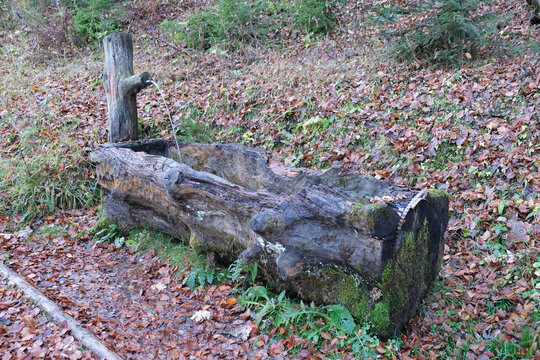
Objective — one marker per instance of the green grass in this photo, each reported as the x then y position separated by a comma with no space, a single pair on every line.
177,252
523,348
44,171
193,267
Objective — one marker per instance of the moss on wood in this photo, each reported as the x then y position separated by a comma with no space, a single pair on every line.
367,215
405,278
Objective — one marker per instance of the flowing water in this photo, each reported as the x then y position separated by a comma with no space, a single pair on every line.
170,119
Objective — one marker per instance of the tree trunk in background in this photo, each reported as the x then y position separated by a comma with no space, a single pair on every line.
122,87
535,20
326,236
17,12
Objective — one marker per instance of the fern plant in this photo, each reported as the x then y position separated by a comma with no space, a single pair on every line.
313,322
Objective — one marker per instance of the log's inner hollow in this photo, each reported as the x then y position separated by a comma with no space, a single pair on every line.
253,169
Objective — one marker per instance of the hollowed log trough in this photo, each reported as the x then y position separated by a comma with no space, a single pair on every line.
328,237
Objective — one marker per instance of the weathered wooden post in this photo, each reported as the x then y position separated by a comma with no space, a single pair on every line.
122,87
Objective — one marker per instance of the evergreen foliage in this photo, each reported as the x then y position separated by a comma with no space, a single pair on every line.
249,21
96,18
452,35
232,21
314,16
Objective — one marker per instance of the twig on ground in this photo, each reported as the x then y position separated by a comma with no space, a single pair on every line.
177,48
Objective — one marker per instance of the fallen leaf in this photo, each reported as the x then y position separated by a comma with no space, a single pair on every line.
200,315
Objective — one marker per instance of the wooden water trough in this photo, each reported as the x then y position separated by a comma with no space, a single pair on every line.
329,237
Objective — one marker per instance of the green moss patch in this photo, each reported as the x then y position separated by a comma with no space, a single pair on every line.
380,317
439,198
404,279
329,285
224,246
367,216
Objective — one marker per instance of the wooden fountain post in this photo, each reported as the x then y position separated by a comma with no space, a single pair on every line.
122,87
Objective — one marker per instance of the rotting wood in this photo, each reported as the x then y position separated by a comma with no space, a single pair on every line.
328,237
121,87
87,339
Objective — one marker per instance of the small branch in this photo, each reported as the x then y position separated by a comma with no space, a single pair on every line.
86,338
177,48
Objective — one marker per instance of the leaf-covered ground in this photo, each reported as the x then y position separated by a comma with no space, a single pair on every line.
27,333
131,301
313,101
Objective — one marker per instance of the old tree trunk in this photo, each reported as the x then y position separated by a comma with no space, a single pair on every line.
326,236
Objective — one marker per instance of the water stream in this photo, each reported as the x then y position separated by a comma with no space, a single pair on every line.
170,119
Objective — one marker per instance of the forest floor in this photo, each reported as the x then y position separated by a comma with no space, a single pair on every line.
471,130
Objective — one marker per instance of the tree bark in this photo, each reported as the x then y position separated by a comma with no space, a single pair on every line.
327,236
122,87
86,338
535,20
17,12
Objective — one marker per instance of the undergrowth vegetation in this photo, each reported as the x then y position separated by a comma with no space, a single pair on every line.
93,19
42,173
256,22
315,324
454,33
62,25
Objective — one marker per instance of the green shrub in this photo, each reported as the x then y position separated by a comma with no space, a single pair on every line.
232,22
96,18
453,34
314,16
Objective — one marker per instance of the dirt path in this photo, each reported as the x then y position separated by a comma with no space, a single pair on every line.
132,301
26,333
